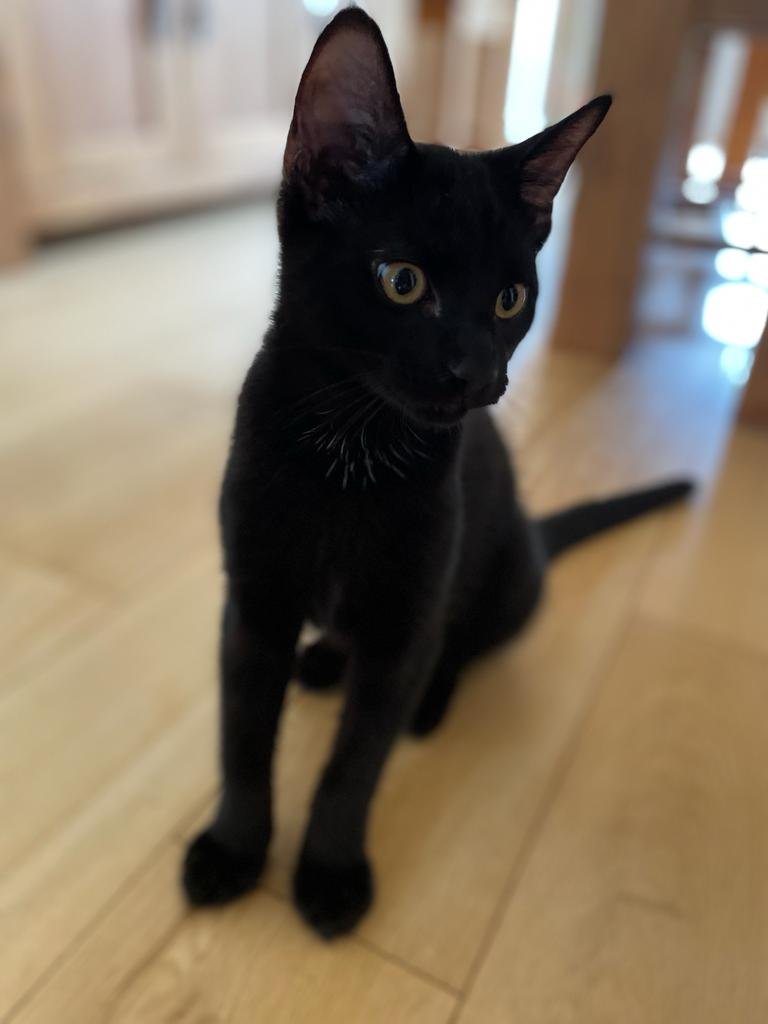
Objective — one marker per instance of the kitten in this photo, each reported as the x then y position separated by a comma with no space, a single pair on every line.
367,489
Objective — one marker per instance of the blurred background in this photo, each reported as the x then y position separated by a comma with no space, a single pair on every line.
586,839
125,109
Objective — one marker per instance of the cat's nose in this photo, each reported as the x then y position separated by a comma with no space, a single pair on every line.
470,359
462,369
469,377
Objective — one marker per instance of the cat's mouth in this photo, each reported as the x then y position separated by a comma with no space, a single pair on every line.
443,413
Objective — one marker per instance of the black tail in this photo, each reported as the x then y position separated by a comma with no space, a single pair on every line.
561,530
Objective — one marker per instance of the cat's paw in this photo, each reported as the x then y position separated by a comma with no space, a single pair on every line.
320,666
332,898
213,874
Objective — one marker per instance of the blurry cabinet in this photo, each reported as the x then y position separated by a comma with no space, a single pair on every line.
92,86
128,106
239,62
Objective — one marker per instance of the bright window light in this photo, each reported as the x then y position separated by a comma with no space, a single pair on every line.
736,363
738,229
732,264
721,87
752,196
734,314
755,171
700,192
533,37
322,8
757,269
705,162
761,231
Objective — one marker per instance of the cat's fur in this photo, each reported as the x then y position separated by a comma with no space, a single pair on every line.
367,490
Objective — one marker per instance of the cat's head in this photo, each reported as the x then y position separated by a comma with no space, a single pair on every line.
410,265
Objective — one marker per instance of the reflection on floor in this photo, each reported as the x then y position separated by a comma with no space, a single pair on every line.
706,274
586,840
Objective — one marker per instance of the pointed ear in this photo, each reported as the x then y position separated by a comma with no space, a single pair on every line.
347,119
543,161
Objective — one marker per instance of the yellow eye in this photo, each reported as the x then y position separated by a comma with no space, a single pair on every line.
510,301
403,283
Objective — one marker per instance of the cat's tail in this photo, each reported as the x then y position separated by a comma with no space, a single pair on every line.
561,530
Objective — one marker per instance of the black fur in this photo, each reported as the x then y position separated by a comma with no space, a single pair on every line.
561,530
367,489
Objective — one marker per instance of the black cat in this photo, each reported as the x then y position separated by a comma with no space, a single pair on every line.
367,489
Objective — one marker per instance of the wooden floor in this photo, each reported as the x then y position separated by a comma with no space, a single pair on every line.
586,842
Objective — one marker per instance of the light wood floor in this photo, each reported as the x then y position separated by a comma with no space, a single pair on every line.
586,842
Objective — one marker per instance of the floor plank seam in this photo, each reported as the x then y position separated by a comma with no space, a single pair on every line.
703,634
552,790
180,834
406,965
91,586
82,936
103,785
78,632
120,602
372,947
153,953
180,838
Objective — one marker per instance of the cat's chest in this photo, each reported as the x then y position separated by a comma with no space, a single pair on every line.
343,550
375,552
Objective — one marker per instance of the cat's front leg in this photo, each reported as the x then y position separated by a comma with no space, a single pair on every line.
258,638
333,883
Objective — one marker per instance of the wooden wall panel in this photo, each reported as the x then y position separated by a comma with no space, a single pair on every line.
754,409
13,234
619,171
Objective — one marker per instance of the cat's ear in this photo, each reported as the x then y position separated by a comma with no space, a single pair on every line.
347,119
542,161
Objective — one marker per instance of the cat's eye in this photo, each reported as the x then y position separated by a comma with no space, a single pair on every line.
510,301
403,283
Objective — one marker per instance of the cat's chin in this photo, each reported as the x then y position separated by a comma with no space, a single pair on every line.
437,415
446,414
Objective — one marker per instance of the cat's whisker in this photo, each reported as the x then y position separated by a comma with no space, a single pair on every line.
313,397
396,455
418,437
345,428
308,405
394,469
366,451
286,349
341,437
377,409
330,424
